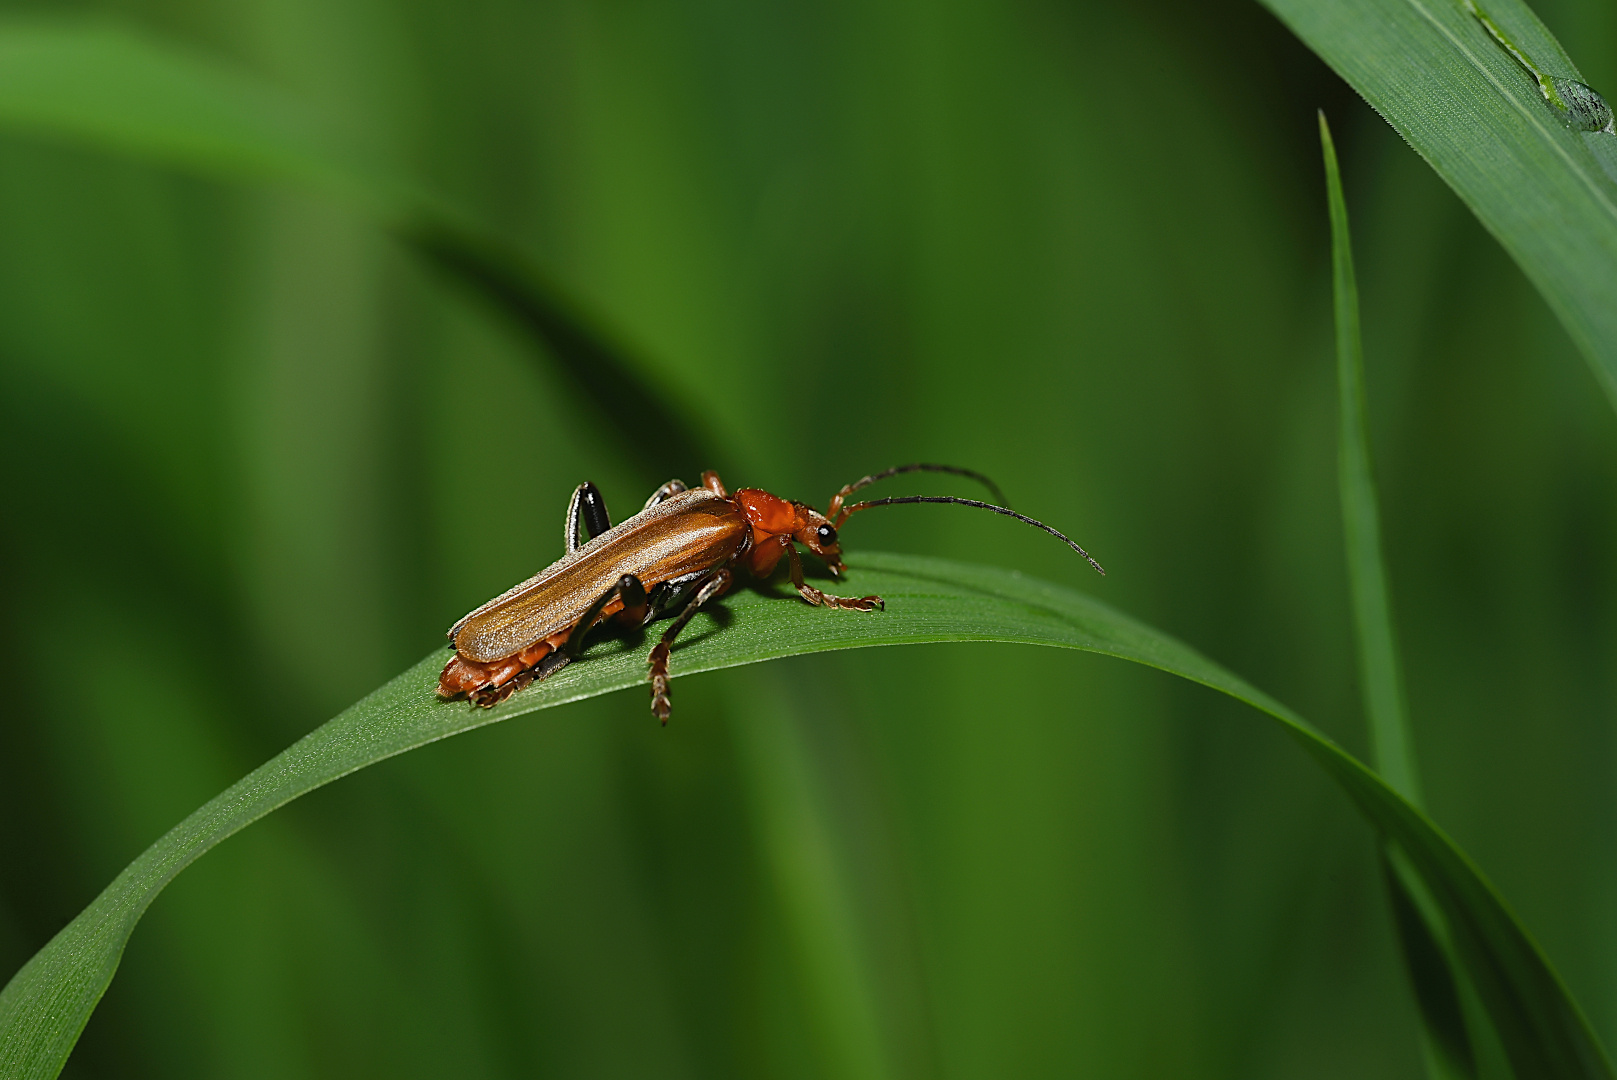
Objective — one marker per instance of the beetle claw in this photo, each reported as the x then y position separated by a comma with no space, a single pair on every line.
660,704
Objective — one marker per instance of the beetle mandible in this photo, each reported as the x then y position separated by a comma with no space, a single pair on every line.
681,551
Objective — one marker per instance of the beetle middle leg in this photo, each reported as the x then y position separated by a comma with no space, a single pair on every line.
667,491
815,596
713,586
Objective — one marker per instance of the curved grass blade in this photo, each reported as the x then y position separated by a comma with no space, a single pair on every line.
1422,932
1438,75
45,1006
113,88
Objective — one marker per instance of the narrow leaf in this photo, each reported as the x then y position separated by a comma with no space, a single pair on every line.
1543,1031
1480,119
1422,934
1390,742
45,1006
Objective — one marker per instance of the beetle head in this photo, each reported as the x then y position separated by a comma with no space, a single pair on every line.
817,534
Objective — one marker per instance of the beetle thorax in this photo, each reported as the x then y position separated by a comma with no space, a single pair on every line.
769,515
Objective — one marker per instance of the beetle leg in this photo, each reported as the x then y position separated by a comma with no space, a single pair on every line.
712,587
667,491
671,594
586,517
815,596
628,588
711,481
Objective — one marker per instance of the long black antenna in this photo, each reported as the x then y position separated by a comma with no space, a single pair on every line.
919,466
979,505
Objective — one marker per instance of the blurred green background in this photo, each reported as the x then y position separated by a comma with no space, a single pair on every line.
260,456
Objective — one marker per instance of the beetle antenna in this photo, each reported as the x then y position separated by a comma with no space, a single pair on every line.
979,505
919,466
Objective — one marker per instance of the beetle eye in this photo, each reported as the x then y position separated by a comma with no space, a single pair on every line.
827,535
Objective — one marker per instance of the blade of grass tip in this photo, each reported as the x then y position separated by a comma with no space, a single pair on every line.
1421,931
1540,1027
1434,72
1391,746
46,1004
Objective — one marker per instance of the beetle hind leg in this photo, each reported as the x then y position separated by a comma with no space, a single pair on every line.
713,586
586,516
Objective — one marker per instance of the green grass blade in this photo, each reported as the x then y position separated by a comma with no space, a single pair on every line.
97,83
1422,934
116,89
1478,118
1542,1030
45,1006
1391,746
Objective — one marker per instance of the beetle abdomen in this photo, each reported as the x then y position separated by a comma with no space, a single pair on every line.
694,530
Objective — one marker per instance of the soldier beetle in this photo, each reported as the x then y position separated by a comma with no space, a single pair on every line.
682,550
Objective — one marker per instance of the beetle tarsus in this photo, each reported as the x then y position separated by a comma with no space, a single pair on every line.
846,603
660,704
824,599
486,697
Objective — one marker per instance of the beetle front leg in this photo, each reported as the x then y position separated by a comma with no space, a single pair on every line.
815,596
586,517
712,587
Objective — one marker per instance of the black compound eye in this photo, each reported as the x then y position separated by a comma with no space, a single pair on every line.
827,535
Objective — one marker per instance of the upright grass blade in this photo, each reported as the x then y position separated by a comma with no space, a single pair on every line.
1471,110
116,89
1421,930
1382,685
1541,1028
46,1004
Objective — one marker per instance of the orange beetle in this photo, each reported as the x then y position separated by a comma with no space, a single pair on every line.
681,551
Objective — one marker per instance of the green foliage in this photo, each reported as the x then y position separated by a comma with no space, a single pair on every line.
45,1006
267,459
1545,191
1542,1029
